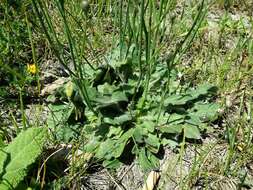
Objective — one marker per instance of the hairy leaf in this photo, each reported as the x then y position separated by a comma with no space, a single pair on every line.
191,132
18,155
153,143
147,160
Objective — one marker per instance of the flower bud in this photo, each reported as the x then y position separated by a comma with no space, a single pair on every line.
85,5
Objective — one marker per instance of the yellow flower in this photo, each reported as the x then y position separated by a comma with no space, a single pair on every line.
31,68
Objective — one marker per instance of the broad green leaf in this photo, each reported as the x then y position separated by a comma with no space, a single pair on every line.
157,77
118,120
205,112
113,148
122,119
153,160
114,131
2,144
192,132
139,134
115,98
175,119
153,143
3,158
173,129
51,98
128,134
194,120
119,97
178,99
113,164
109,120
127,88
21,152
92,144
190,95
203,89
106,89
126,69
56,114
118,148
120,144
105,149
171,143
143,160
149,125
91,91
147,160
66,133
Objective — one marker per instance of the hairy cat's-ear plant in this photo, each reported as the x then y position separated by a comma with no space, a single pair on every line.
129,90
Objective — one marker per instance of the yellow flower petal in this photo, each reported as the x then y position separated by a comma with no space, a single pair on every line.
31,68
